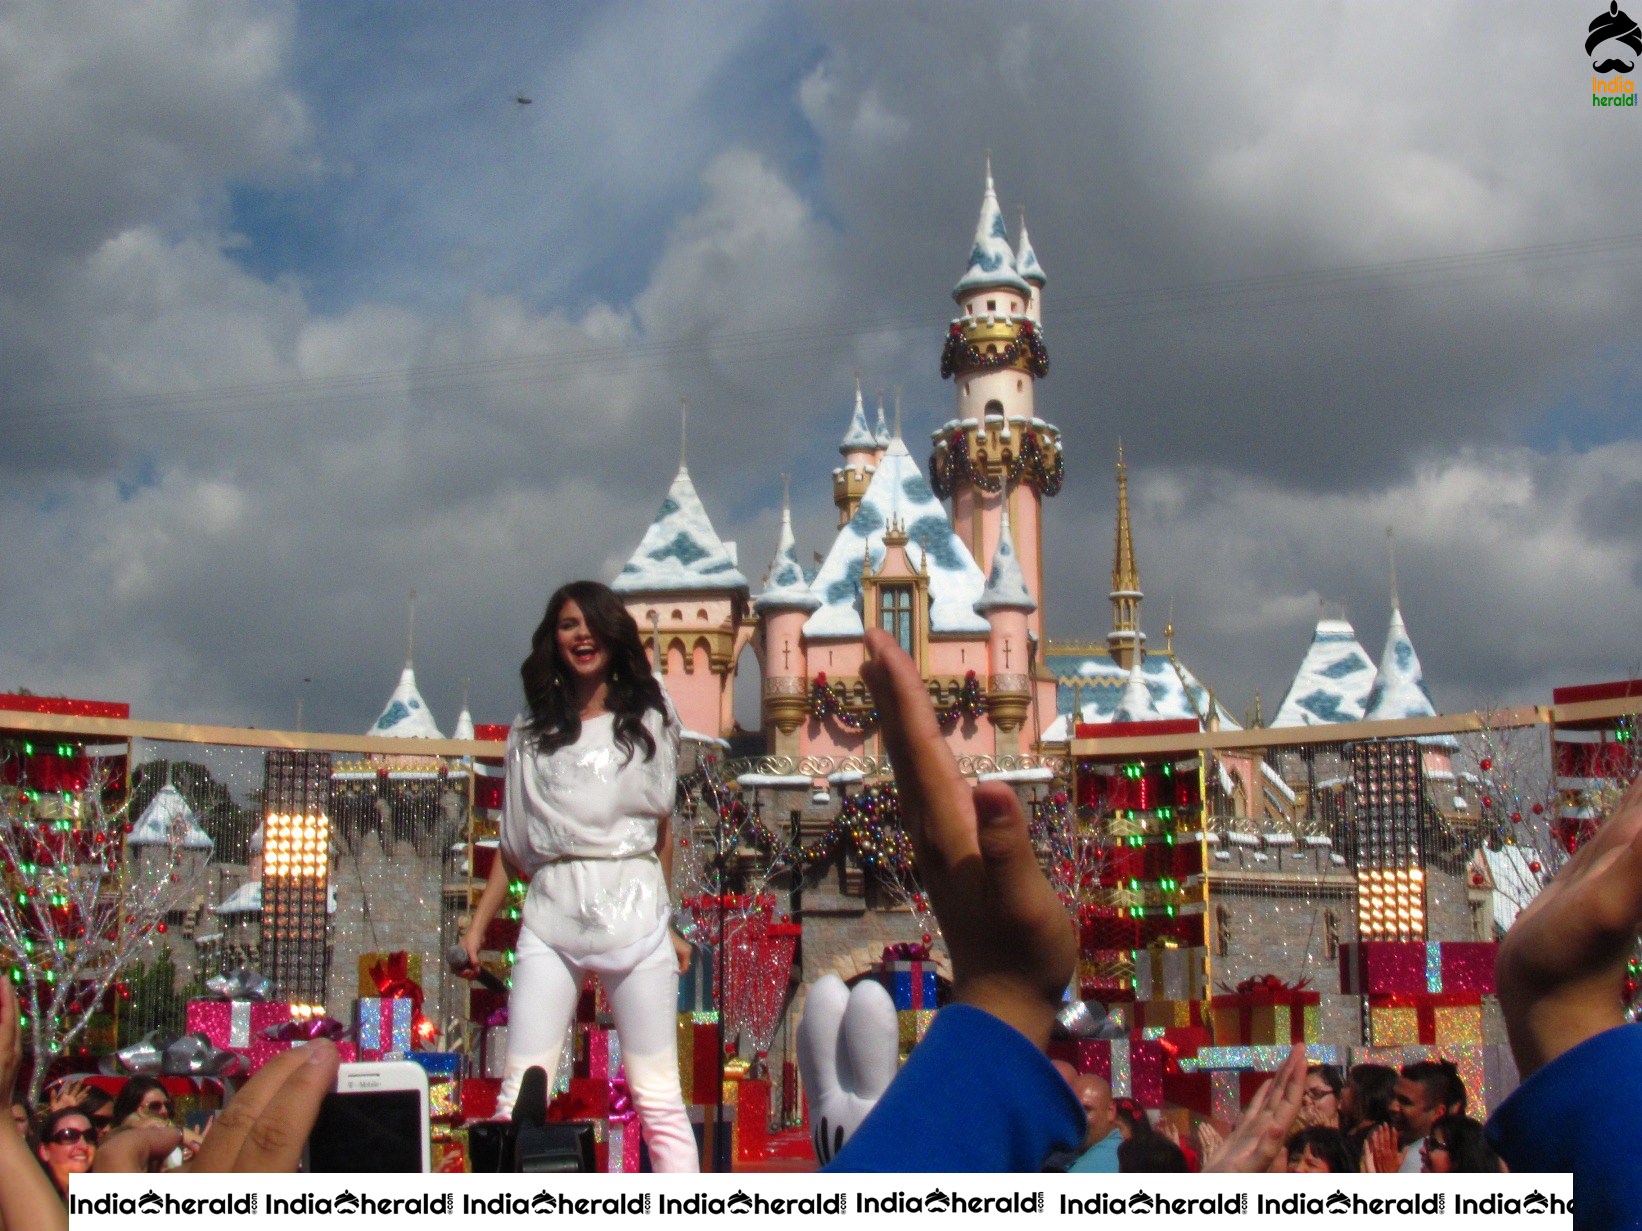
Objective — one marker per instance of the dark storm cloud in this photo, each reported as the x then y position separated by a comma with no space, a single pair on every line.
299,319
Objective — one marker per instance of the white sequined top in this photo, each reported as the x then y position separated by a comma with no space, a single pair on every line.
582,824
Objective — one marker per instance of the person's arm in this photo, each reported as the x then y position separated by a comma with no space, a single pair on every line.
664,853
977,1094
28,1202
263,1129
490,901
1561,972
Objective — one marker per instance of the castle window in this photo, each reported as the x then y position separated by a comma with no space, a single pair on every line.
991,305
895,614
970,307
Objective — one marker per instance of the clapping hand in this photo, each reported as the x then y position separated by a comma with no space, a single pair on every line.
1264,1129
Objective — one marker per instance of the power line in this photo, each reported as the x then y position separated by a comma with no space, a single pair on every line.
746,348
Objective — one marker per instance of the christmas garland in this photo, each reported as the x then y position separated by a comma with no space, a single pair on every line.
828,701
1027,466
960,353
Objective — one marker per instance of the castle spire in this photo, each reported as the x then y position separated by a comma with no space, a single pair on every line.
1125,638
858,438
991,259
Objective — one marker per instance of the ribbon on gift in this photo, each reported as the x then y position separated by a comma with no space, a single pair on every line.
306,1031
1268,988
243,984
393,982
906,951
192,1055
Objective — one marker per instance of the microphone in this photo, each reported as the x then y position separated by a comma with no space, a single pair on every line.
456,957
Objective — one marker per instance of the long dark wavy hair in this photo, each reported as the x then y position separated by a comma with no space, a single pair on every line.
550,690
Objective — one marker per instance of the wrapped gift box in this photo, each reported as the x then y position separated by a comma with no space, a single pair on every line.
477,1096
911,985
1170,974
1256,1021
490,1051
485,1006
695,986
1168,1013
623,1139
382,1027
597,1053
698,1056
237,1025
912,1025
1439,1019
443,1069
1462,966
1382,967
392,968
450,1150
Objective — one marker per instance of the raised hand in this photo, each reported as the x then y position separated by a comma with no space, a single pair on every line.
69,1094
28,1202
1012,944
1561,967
1267,1121
848,1046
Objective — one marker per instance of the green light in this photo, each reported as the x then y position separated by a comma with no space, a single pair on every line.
28,750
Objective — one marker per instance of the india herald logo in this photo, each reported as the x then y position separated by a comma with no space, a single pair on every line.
1613,26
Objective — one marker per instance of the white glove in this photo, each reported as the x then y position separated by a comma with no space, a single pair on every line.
848,1046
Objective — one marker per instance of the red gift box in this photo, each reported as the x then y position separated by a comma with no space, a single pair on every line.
1425,1006
1261,1015
1468,966
478,1096
501,935
1382,967
588,1098
486,1006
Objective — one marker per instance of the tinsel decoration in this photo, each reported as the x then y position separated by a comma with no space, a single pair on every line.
829,701
1027,466
960,354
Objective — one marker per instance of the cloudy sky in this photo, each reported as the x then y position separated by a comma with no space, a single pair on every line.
300,309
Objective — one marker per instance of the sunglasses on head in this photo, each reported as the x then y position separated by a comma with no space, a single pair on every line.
69,1136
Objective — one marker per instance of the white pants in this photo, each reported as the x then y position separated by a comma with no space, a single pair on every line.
644,998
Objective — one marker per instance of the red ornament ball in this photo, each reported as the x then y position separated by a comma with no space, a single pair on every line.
1487,764
161,928
1516,818
1487,801
1538,808
1534,867
927,938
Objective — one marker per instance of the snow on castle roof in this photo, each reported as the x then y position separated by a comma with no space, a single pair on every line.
784,584
1399,689
1006,584
169,821
1026,261
859,438
406,714
680,550
898,492
991,262
1333,681
1096,685
1136,704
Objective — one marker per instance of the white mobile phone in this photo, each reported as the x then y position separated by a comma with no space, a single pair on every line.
375,1120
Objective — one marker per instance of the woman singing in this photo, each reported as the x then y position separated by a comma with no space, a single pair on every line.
591,777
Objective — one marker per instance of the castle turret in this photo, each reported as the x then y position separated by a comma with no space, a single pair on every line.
1026,264
1125,641
689,597
861,450
994,355
1006,603
782,609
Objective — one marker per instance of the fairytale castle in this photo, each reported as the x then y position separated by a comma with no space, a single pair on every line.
958,585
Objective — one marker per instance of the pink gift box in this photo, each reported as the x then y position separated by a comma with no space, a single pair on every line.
237,1025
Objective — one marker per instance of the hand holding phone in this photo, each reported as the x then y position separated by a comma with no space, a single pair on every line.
374,1121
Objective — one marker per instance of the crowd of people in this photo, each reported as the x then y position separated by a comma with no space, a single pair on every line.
980,1094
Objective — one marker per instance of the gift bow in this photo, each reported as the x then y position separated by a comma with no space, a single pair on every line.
192,1055
906,951
306,1031
1265,983
243,984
